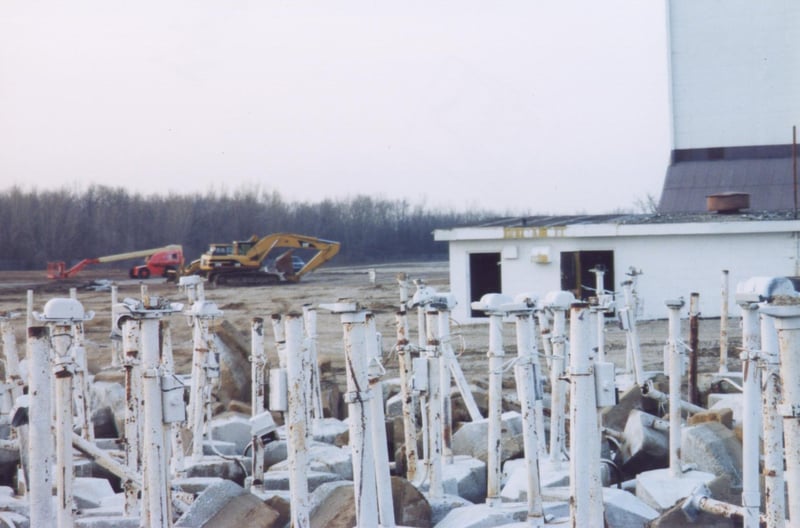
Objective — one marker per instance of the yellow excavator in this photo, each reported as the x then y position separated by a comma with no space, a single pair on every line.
249,262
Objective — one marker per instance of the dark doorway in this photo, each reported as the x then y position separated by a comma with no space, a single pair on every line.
577,277
484,277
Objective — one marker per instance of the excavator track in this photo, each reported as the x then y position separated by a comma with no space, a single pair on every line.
244,278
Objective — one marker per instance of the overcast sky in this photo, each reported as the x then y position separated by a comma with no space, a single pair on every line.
518,105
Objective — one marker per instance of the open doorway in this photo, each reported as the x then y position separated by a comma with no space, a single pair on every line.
576,274
484,277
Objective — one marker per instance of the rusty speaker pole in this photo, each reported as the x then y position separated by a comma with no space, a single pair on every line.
694,330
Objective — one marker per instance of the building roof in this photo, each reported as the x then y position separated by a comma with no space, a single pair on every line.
627,219
622,225
765,173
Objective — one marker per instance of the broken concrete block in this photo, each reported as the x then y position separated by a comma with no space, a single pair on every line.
234,428
108,395
325,458
279,480
107,521
226,504
713,448
471,438
484,516
233,470
10,519
331,431
644,446
89,492
465,477
660,490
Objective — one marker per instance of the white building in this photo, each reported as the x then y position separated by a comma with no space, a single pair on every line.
676,255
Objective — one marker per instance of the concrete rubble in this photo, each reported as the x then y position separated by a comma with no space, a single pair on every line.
274,446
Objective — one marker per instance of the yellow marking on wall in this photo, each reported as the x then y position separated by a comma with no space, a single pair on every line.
534,232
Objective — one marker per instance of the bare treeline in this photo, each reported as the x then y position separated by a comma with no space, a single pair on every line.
70,225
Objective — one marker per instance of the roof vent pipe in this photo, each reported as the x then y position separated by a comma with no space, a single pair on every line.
727,202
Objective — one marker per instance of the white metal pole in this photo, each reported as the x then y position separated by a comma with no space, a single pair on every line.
586,498
258,362
354,323
496,356
315,385
197,399
632,334
296,423
116,353
407,395
29,309
543,316
383,477
599,273
434,410
176,463
558,387
156,510
723,325
40,440
787,322
63,371
771,397
751,414
13,375
443,324
130,349
526,372
675,359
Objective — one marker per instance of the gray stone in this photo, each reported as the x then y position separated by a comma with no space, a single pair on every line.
10,519
325,458
279,480
331,431
484,516
713,448
233,470
107,521
234,428
89,492
105,396
471,438
226,504
644,448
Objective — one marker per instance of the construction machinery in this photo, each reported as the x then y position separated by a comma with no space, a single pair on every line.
250,262
159,262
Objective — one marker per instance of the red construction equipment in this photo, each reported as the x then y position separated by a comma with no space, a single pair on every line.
159,261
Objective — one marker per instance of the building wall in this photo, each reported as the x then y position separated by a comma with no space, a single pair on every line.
673,265
734,74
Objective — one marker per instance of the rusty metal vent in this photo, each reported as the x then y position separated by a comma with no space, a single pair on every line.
728,202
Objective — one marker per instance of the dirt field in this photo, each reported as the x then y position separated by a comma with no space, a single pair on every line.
327,285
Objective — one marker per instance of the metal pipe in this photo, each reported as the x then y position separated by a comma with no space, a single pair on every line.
675,367
130,349
175,445
435,418
771,397
156,510
258,362
787,322
599,273
116,353
13,375
354,323
383,477
406,394
29,309
694,341
586,499
526,373
723,325
634,354
544,330
558,388
296,423
105,461
496,356
751,415
63,371
40,438
445,365
197,399
315,385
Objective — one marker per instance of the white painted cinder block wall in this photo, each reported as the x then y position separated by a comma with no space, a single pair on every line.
673,266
